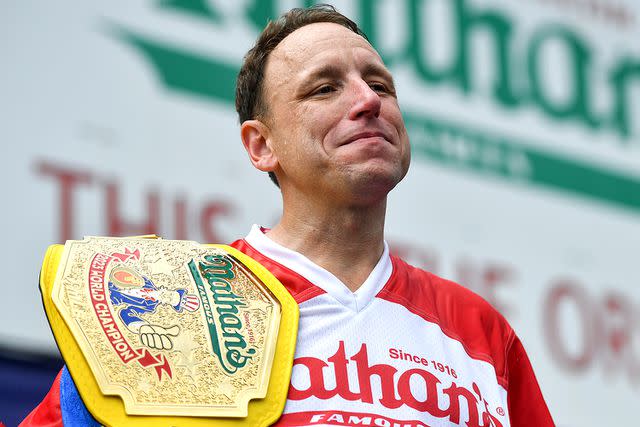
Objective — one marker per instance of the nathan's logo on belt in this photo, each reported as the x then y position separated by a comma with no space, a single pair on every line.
222,308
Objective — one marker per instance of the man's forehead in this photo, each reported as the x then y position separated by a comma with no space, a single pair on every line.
317,39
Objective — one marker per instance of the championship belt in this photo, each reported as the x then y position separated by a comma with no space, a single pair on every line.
170,333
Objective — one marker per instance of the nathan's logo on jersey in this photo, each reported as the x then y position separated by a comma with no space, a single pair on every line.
221,308
397,388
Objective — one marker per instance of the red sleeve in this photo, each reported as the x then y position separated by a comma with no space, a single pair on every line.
48,412
526,404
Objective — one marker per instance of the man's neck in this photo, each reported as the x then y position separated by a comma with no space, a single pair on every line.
347,241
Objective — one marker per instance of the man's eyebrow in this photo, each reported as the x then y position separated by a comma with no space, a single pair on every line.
330,71
373,69
325,71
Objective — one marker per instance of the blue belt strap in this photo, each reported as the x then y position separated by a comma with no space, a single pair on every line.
74,413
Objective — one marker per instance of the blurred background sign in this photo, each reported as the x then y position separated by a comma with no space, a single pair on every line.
524,116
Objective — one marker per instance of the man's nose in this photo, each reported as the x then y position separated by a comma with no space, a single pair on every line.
366,101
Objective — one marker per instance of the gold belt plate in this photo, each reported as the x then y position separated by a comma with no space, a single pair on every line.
170,333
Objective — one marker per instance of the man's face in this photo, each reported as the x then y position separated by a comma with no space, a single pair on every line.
333,116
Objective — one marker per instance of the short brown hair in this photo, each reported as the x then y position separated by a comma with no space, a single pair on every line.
249,85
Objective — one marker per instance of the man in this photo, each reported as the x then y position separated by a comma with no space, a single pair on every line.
380,342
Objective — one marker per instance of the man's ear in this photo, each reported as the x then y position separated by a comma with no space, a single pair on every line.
255,138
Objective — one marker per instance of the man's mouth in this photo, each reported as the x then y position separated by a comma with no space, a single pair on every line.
366,135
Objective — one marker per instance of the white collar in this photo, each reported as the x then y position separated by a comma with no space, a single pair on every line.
322,278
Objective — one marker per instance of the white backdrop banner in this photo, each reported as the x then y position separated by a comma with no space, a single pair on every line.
524,118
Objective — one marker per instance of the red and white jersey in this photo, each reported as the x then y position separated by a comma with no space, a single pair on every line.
407,349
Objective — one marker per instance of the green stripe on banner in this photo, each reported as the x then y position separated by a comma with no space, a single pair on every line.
186,71
463,147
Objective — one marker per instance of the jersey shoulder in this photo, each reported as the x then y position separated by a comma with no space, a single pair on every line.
460,313
438,295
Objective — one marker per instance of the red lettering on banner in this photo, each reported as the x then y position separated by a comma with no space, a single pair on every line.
209,212
118,226
605,328
68,180
180,218
566,292
395,390
617,333
115,224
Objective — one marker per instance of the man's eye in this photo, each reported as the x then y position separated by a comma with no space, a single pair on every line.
378,87
324,89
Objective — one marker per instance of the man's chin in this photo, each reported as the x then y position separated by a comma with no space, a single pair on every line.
375,183
381,172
